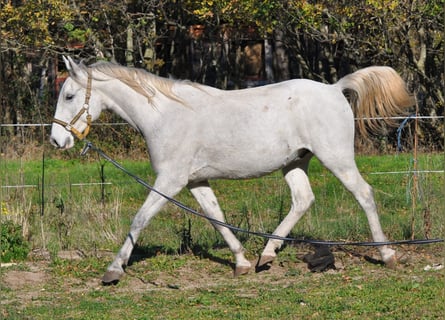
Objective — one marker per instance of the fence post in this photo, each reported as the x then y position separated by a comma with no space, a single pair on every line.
415,181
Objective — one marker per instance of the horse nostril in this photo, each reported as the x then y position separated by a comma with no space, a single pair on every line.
62,142
54,142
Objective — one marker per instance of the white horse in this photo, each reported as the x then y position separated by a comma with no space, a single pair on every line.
195,133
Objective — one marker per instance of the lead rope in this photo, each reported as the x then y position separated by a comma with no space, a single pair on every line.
89,145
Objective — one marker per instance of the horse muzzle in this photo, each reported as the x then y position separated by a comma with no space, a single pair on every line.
64,142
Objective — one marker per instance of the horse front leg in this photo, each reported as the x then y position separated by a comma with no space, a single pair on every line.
208,202
149,209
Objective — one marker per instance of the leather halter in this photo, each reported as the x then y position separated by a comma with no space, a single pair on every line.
85,109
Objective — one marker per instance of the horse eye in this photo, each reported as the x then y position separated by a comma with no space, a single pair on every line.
69,97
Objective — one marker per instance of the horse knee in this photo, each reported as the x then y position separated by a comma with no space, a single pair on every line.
303,204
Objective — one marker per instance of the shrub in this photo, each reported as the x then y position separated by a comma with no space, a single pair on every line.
13,246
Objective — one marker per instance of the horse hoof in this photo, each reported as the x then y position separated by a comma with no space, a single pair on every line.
264,260
241,270
391,263
111,278
264,263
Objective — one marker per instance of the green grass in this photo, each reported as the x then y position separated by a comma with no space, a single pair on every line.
163,284
84,216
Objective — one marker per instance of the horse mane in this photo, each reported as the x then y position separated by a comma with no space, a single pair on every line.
141,81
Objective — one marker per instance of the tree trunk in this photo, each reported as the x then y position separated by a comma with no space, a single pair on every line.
130,47
268,60
281,58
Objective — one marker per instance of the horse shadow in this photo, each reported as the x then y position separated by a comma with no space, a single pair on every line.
144,252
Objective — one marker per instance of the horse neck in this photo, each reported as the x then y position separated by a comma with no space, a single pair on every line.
134,108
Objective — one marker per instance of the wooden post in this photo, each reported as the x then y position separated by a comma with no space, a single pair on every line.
415,188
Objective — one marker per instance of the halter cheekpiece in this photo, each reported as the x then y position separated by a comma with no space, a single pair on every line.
85,109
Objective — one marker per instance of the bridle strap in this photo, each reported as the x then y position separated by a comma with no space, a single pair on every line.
85,109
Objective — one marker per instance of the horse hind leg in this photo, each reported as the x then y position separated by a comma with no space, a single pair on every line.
208,202
302,199
346,171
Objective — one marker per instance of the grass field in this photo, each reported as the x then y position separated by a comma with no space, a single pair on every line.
182,267
78,212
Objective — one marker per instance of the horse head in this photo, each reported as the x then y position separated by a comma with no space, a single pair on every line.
76,106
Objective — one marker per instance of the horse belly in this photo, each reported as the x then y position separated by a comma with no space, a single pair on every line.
247,162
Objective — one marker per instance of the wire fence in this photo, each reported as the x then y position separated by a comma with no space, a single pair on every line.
417,178
19,125
414,171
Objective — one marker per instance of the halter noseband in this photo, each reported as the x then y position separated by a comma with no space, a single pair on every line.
85,109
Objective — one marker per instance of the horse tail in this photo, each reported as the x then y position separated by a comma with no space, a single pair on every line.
376,93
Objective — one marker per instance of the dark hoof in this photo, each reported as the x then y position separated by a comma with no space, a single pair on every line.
264,263
111,278
239,271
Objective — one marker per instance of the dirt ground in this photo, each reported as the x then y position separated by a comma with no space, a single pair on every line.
28,280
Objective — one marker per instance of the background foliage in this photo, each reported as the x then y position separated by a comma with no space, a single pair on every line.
13,246
228,44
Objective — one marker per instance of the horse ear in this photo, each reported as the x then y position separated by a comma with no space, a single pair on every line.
67,63
75,70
